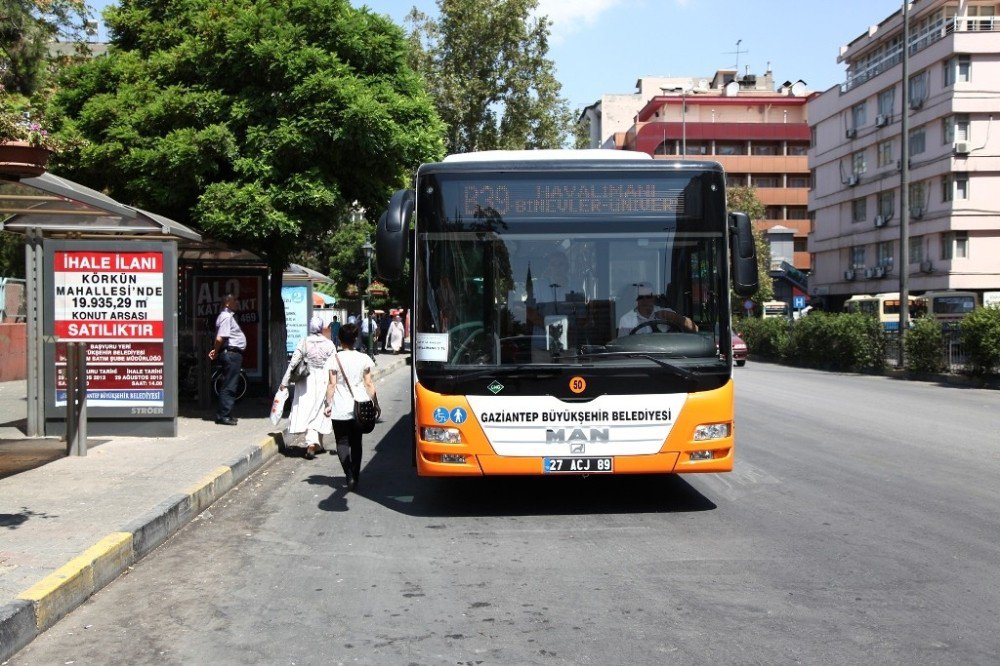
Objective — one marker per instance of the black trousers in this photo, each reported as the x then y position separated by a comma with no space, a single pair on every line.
231,363
348,436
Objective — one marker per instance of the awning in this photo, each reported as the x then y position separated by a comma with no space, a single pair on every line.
321,300
297,271
58,207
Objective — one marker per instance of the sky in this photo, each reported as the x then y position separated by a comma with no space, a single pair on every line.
603,46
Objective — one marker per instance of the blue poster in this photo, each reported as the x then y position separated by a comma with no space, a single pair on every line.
296,298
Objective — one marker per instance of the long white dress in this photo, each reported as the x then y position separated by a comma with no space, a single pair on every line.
394,337
307,403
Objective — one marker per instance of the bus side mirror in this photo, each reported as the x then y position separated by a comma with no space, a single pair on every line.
392,234
744,255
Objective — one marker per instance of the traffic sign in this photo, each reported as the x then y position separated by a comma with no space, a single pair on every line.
798,302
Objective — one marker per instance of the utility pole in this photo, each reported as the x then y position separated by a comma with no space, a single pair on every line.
904,191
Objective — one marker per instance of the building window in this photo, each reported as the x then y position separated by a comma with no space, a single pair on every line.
736,180
955,128
918,142
858,163
885,254
765,148
955,245
986,12
917,244
859,210
858,257
949,67
886,204
697,148
886,102
947,188
666,148
798,148
885,154
765,180
964,69
798,181
918,89
918,199
773,213
797,213
961,185
730,148
859,115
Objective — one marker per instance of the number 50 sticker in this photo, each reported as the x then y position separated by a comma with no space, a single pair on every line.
577,384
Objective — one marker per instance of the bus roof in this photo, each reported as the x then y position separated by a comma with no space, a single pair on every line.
547,155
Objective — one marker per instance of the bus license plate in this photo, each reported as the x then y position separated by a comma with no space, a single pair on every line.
578,465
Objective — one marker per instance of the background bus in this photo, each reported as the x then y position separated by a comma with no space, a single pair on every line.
948,307
530,270
775,309
885,307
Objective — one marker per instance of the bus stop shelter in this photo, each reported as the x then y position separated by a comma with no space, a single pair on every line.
99,273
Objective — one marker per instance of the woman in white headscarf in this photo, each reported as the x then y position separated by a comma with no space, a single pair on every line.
394,337
307,405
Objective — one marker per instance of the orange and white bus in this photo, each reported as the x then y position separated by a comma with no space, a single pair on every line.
549,289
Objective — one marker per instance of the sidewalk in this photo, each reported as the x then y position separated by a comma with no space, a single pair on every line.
71,526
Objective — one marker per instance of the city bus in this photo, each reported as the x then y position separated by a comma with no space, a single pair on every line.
885,307
949,307
775,309
529,269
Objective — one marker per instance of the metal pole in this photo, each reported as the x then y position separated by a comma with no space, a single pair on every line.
371,322
76,399
33,288
684,115
904,191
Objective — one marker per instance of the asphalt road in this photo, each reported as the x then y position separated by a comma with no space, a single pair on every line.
860,527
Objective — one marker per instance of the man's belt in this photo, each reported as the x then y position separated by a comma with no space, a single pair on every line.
234,349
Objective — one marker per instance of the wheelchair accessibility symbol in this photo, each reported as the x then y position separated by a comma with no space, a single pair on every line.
440,415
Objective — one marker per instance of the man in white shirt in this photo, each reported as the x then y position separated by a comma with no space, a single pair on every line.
646,310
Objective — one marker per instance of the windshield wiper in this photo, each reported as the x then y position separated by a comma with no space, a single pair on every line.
502,370
681,372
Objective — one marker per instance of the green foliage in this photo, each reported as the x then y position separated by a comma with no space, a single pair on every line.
765,338
486,63
744,200
262,122
979,332
26,28
924,343
847,342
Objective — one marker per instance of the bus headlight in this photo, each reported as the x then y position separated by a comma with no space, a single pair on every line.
442,435
711,431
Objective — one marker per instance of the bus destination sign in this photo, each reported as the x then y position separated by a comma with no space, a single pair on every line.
529,198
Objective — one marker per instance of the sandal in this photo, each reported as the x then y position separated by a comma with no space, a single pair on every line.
310,452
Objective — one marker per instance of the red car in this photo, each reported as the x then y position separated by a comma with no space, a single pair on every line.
739,351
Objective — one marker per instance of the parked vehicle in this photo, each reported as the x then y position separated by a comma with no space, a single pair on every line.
775,309
740,351
949,307
885,307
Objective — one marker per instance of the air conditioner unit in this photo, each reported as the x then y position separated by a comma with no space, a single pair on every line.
916,213
869,273
851,133
926,267
961,148
853,180
878,272
880,221
881,121
849,276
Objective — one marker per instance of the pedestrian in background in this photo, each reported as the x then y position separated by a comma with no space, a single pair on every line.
334,329
383,330
308,403
350,379
230,343
394,336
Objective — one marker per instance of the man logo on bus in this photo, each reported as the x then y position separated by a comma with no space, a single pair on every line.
576,435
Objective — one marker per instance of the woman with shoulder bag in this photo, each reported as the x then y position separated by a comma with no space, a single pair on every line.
350,381
307,413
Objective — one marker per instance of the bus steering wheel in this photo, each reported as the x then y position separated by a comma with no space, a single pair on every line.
654,324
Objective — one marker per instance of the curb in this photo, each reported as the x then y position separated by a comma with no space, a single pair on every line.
44,603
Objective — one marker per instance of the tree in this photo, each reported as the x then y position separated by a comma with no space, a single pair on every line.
261,122
487,68
744,199
26,28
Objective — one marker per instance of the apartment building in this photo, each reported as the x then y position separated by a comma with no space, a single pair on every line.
953,111
608,119
758,133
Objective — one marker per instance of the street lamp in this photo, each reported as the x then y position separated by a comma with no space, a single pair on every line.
683,90
369,251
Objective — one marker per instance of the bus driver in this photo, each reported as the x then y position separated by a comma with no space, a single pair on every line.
646,310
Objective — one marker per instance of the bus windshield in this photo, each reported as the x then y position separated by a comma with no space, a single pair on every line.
539,269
